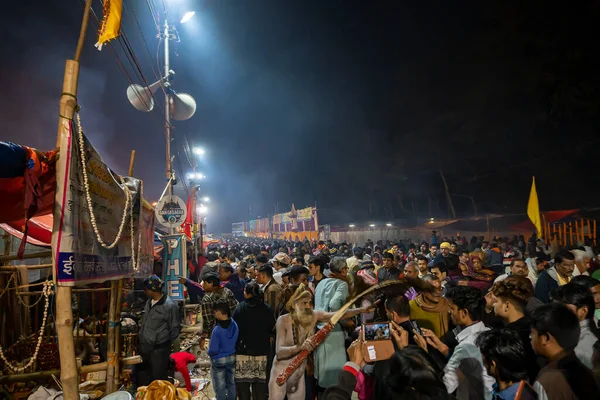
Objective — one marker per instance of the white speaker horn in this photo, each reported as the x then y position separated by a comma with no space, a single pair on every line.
141,97
182,106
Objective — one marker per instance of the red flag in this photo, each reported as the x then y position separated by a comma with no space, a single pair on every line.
187,226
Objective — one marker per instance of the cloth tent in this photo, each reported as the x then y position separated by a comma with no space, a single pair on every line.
27,184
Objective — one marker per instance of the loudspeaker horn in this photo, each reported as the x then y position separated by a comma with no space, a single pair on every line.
182,106
141,97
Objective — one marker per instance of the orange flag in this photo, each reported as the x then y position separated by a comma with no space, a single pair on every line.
533,209
110,27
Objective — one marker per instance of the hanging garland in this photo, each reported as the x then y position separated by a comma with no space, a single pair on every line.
135,258
89,199
47,292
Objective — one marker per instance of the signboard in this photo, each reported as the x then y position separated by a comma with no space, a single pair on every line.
303,220
77,253
174,265
171,211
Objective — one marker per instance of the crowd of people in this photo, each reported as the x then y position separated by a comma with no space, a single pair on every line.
500,319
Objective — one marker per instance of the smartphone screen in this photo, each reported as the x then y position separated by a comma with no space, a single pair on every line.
377,331
416,327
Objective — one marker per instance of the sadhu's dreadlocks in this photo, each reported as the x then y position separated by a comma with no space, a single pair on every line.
300,293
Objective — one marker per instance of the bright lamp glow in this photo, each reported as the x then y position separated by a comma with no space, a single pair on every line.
351,225
199,151
206,199
197,176
187,16
388,224
372,225
202,209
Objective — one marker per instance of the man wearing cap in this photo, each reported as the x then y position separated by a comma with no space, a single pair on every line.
281,261
160,327
450,260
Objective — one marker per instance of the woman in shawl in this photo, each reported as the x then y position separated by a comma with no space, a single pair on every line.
476,275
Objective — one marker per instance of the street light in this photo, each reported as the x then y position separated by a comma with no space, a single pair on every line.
372,225
351,225
206,199
198,151
202,209
196,176
187,16
388,224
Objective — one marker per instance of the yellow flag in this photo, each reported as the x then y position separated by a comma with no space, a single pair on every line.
111,22
533,209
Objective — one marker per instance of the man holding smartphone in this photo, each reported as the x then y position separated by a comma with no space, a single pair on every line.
398,310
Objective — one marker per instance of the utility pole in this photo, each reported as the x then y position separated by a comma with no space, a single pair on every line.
167,85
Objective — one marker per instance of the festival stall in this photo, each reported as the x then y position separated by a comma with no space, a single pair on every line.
102,237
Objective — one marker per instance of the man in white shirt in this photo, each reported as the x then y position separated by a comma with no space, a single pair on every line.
466,308
517,267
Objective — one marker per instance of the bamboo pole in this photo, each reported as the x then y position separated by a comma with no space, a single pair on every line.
69,374
72,291
570,234
118,352
110,366
114,325
12,268
131,163
37,254
582,232
47,374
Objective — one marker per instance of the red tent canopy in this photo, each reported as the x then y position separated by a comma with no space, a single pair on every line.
549,216
27,186
39,229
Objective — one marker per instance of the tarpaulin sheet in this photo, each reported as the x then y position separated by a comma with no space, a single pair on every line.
27,182
39,229
549,216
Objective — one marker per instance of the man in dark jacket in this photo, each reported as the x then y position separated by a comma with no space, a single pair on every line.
450,260
160,327
232,281
554,336
555,276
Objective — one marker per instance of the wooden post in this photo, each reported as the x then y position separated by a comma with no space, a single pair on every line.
582,232
594,233
114,319
119,306
570,234
69,374
131,163
589,229
110,336
564,234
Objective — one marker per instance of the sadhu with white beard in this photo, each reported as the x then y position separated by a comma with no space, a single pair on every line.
294,334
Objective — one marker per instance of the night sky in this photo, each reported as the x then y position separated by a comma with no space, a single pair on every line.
357,106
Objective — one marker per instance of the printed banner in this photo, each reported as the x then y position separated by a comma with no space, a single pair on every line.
78,256
174,265
304,220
